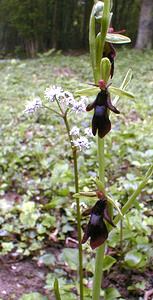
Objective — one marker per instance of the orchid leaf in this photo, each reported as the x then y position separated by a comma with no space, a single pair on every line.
120,92
116,38
136,193
92,91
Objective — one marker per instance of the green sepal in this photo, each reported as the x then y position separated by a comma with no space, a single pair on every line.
116,38
56,290
115,204
105,68
120,92
92,91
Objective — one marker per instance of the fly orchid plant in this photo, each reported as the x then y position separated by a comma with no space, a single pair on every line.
102,39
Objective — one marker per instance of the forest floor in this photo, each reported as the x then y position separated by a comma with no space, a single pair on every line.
36,171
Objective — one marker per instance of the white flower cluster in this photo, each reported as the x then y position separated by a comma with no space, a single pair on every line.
33,106
75,131
52,93
65,98
81,142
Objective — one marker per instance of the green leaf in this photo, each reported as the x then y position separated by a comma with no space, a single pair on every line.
111,294
109,261
56,290
33,296
116,38
70,256
133,258
47,260
92,91
120,92
48,221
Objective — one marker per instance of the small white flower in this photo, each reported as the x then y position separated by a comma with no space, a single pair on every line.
33,106
80,106
75,131
82,143
67,98
53,92
88,132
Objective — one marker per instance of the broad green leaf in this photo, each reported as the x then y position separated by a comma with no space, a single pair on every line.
92,91
70,256
116,38
7,246
56,290
33,296
47,260
111,294
109,261
120,92
133,258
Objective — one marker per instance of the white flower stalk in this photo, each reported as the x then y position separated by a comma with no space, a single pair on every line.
53,92
75,131
33,106
82,143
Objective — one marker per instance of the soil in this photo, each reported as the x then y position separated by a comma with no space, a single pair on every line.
25,276
21,277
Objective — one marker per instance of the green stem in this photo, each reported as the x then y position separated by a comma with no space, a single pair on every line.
74,152
52,110
96,56
98,274
78,224
101,37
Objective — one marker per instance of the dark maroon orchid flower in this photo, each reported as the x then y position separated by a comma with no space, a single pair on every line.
110,53
100,119
109,50
96,229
